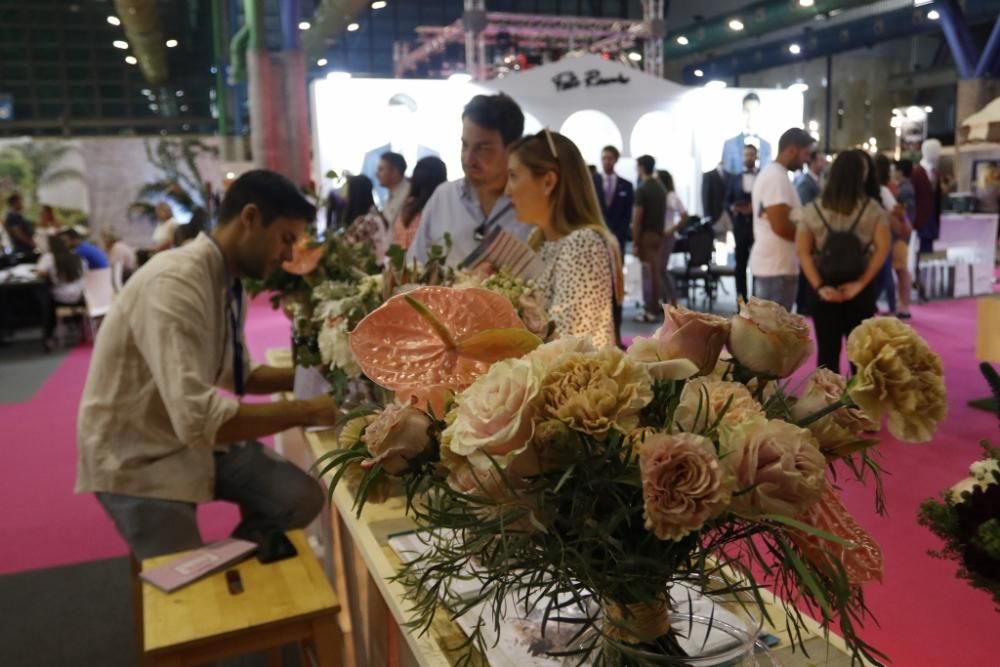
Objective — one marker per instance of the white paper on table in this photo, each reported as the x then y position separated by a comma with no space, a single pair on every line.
309,384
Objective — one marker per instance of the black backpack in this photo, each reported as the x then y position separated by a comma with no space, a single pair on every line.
843,257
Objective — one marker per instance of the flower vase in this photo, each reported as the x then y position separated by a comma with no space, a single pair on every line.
688,629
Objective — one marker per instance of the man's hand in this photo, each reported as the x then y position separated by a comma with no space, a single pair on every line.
323,411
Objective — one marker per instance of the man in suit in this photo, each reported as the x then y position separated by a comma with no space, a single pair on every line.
616,196
732,150
808,183
739,204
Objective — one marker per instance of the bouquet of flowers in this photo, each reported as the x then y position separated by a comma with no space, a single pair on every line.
564,476
967,517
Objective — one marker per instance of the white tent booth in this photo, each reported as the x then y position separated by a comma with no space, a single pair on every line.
595,102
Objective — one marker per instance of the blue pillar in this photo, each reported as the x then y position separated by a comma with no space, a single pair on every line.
289,24
989,61
956,32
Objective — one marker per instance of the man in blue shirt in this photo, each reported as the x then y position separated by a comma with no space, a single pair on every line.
88,252
471,207
21,231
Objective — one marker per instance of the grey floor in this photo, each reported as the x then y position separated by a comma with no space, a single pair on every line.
25,366
78,615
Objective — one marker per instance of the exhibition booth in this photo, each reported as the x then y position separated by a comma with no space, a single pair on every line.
593,101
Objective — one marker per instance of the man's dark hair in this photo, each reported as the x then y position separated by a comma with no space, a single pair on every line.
755,149
394,160
647,163
905,166
751,97
13,199
795,136
273,194
612,150
496,112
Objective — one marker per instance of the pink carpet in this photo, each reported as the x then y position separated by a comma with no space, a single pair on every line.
927,617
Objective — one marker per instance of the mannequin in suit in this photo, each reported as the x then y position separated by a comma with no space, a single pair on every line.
401,127
616,196
732,150
927,191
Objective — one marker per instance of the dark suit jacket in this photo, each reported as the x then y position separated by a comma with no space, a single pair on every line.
713,193
618,216
736,195
928,201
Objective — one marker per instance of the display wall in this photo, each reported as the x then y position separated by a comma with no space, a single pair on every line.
593,101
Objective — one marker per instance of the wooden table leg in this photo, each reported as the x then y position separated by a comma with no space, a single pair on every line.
327,641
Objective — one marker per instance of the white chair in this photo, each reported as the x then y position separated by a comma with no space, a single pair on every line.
117,276
97,294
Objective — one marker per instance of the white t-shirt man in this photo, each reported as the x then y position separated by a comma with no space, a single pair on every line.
772,255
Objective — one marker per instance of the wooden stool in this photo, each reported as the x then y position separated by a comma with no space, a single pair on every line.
287,602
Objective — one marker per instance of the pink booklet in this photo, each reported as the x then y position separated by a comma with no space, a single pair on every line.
195,565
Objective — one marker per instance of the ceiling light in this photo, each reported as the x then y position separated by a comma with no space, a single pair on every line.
933,15
698,73
928,109
715,84
304,25
799,87
460,77
230,175
806,3
635,56
378,4
736,25
352,27
184,107
338,75
171,43
146,91
794,49
120,44
114,20
131,60
921,3
322,62
180,93
682,40
814,126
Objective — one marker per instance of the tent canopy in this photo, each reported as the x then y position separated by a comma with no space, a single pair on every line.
984,125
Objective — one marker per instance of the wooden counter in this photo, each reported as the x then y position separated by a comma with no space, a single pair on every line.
376,611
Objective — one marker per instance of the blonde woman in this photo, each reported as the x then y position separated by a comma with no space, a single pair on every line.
550,187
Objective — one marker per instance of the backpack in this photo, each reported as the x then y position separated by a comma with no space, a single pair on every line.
843,257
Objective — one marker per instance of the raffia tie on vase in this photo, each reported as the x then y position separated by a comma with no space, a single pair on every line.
636,623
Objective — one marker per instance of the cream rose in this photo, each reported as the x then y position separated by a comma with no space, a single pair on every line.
647,352
838,433
897,375
547,355
597,391
532,313
495,414
777,466
683,484
768,340
703,400
397,436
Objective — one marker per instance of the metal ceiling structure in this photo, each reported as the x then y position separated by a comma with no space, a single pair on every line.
533,31
844,36
142,27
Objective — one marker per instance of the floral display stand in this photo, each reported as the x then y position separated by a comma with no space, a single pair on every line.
376,612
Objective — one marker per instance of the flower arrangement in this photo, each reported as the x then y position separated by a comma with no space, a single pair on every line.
562,475
967,516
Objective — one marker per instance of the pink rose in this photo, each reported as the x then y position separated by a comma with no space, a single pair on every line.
400,434
839,433
532,312
683,484
777,465
697,337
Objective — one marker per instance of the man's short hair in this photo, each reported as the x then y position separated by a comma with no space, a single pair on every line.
647,163
751,97
273,194
751,146
395,160
13,199
496,112
612,150
795,136
905,167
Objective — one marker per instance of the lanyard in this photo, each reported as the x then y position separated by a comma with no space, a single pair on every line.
235,309
482,229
